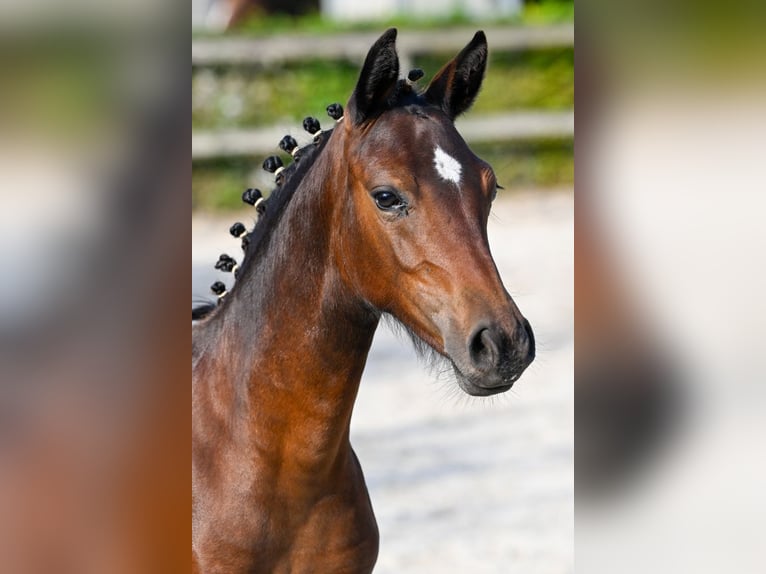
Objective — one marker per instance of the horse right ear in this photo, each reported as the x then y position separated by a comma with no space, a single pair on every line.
456,85
377,81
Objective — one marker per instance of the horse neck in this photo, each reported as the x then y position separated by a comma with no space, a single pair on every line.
293,339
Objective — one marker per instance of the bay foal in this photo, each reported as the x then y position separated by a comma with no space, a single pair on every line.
387,213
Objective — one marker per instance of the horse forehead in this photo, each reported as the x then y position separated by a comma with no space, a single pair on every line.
407,131
427,144
448,168
442,151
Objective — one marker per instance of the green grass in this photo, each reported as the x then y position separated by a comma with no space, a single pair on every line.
539,163
535,79
251,97
218,185
266,96
241,96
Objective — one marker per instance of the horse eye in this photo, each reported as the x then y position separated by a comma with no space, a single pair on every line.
387,200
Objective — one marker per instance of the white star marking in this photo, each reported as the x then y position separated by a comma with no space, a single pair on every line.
447,166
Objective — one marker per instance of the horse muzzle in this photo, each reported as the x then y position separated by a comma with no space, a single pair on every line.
493,358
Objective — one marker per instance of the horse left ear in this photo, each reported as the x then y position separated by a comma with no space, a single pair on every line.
456,85
377,79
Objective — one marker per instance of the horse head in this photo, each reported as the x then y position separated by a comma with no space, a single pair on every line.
411,227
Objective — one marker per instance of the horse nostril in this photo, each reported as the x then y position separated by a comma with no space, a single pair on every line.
530,340
485,349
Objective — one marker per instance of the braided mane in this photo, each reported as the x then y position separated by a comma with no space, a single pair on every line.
281,196
288,180
270,211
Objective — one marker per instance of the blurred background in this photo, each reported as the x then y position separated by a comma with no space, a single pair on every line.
94,233
257,80
669,241
457,484
669,244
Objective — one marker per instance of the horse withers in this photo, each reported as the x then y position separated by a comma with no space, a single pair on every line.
386,214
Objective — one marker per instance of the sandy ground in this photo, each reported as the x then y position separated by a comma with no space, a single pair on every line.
461,484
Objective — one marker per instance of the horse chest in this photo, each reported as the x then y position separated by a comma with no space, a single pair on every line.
332,537
281,527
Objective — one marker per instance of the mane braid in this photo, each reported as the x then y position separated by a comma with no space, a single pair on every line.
276,203
404,95
279,198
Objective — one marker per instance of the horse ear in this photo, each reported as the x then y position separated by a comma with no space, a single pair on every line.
456,85
377,80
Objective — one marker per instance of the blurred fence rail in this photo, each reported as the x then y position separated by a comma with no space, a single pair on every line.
477,129
354,46
232,52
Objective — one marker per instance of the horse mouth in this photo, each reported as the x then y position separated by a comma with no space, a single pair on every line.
491,359
484,386
472,381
